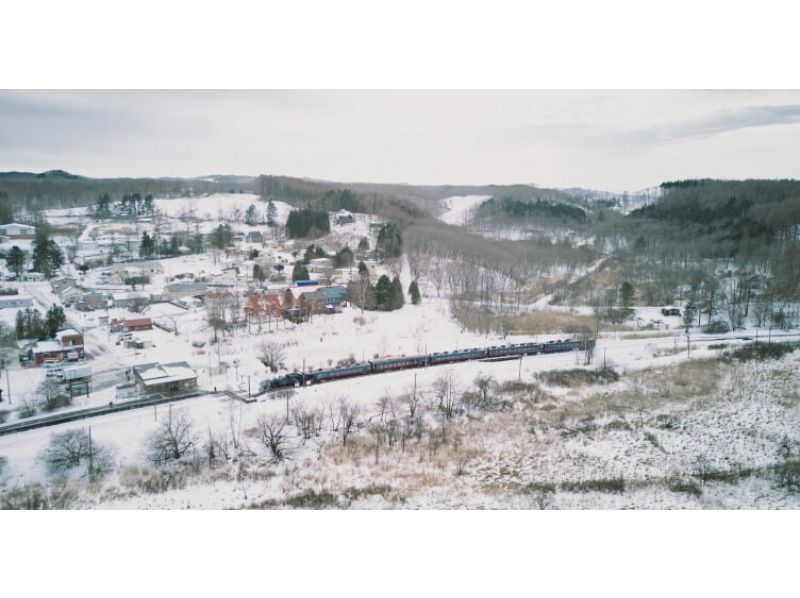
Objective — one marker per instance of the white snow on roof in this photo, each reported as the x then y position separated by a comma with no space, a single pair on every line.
162,373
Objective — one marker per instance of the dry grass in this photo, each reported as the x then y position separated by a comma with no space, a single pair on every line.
550,322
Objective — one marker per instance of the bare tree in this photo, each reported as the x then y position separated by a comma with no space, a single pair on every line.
271,354
446,393
171,441
348,418
73,448
272,434
484,384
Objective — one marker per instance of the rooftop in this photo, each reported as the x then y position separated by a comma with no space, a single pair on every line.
162,373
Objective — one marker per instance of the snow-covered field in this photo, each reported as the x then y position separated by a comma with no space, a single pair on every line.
549,446
457,209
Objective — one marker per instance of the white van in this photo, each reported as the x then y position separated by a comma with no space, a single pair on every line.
55,372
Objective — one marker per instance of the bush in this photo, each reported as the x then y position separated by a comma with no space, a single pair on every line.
686,486
717,327
603,485
759,351
578,376
787,475
35,497
310,499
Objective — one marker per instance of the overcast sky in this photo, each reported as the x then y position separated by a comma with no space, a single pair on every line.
604,140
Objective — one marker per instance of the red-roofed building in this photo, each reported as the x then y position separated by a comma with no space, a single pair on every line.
131,325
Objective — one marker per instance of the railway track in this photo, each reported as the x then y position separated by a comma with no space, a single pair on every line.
79,414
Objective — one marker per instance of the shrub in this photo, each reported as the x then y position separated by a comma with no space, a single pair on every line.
578,376
759,351
787,475
35,497
717,327
310,499
686,486
602,485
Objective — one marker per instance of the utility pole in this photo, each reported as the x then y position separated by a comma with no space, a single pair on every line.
248,386
519,375
91,464
688,345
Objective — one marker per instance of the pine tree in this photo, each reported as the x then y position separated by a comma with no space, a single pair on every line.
258,273
343,258
627,293
300,272
250,215
398,300
413,291
383,294
390,241
15,260
54,320
147,246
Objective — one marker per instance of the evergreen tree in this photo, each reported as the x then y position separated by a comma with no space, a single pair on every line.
413,291
383,294
148,246
363,246
344,258
15,260
627,293
390,241
47,255
221,236
54,320
272,213
363,271
300,272
307,222
258,273
689,313
6,211
20,325
398,300
250,217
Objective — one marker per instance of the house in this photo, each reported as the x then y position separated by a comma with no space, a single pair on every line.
343,217
226,278
59,284
255,236
320,265
15,301
68,344
324,299
91,301
130,298
179,290
32,277
149,267
70,295
263,305
165,378
16,230
131,325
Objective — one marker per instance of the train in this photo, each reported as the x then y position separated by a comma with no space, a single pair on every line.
366,368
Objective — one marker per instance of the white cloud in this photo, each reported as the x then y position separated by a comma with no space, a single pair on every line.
606,139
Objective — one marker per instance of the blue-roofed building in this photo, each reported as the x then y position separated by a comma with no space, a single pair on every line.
255,236
324,299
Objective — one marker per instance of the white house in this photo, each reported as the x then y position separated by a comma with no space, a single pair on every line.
15,301
15,229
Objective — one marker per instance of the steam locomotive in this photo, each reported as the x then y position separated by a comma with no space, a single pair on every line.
419,361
